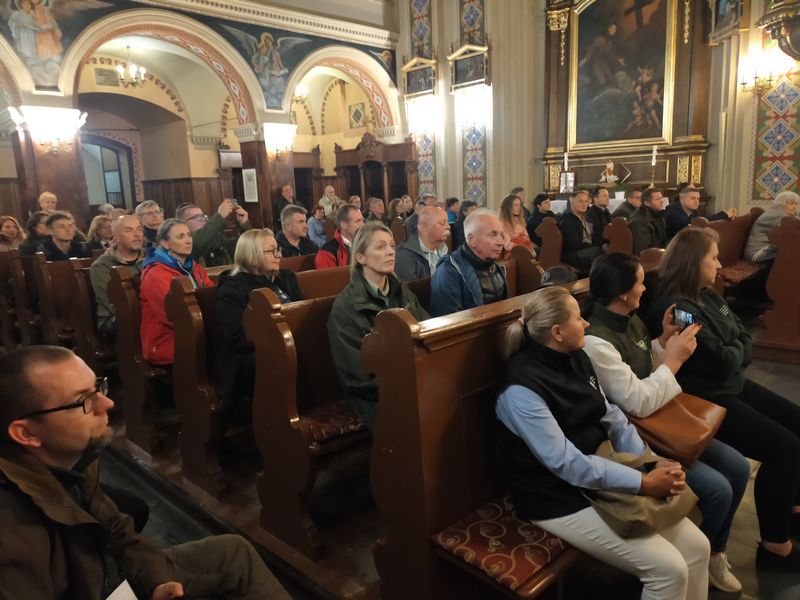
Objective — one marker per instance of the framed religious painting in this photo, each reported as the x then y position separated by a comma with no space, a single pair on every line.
420,77
622,71
727,18
469,65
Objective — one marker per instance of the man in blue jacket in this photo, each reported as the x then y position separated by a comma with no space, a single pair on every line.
470,276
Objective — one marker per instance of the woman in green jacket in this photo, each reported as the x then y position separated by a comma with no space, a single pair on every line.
373,287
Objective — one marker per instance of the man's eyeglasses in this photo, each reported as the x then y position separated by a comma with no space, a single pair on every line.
86,402
276,252
152,213
200,217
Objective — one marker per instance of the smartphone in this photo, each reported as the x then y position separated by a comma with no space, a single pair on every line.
681,318
235,201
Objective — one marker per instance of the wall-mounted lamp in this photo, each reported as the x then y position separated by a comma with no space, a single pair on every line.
279,137
300,93
52,128
757,85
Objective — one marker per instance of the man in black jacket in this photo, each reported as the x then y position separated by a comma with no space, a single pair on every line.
679,214
580,244
293,236
61,245
647,223
418,256
598,213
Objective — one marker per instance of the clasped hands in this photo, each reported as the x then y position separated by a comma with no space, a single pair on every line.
667,479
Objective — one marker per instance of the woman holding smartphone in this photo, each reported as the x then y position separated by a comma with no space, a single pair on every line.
760,423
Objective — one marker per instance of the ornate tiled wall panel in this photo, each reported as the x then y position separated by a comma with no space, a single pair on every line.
473,22
473,154
421,28
426,163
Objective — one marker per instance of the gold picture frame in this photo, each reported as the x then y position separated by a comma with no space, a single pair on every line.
419,77
616,142
728,17
469,65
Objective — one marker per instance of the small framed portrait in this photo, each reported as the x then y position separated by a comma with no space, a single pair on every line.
420,77
469,65
567,182
727,18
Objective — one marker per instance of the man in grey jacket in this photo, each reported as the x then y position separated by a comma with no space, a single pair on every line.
417,257
759,248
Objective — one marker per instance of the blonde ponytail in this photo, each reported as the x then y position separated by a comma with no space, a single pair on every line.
545,307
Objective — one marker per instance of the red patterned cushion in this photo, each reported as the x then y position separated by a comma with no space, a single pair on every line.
506,548
739,271
330,421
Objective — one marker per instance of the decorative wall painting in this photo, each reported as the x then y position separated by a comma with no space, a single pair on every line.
727,18
469,65
622,73
420,77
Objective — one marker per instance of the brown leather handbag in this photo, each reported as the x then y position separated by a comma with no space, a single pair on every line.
682,429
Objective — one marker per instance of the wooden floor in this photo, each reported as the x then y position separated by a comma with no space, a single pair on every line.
349,524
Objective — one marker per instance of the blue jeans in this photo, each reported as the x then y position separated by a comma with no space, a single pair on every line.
719,479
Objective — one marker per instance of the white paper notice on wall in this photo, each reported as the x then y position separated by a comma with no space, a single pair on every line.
250,185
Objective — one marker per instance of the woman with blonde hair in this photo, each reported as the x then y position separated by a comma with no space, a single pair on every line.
11,234
551,417
759,423
257,265
514,222
373,287
100,234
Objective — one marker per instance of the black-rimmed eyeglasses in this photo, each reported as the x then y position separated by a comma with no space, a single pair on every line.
276,252
86,402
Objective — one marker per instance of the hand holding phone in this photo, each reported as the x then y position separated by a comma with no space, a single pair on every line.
682,318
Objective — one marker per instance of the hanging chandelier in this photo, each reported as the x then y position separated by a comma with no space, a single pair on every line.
133,76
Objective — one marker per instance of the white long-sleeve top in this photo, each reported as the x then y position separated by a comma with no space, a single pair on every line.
639,397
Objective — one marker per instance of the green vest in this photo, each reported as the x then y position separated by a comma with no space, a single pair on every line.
627,333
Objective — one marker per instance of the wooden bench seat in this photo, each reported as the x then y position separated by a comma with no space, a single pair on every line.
733,234
619,236
431,470
8,314
82,317
26,297
57,297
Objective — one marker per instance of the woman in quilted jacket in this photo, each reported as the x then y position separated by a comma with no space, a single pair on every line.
172,258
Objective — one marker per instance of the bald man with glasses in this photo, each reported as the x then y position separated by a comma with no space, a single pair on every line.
59,526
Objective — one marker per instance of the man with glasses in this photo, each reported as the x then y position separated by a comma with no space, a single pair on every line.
62,245
152,216
59,526
633,200
210,246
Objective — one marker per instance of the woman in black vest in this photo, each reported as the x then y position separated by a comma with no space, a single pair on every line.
639,377
551,417
759,423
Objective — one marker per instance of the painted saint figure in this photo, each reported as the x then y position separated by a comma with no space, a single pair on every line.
22,24
48,34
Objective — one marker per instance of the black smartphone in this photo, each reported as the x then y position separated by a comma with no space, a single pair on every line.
681,318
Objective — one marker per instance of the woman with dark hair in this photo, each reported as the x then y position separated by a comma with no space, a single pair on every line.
257,265
551,418
541,209
373,287
172,258
759,423
639,377
514,223
38,232
467,206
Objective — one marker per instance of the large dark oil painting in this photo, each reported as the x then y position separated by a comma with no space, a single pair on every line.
621,70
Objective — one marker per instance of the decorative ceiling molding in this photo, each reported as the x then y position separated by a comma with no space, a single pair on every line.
283,18
303,103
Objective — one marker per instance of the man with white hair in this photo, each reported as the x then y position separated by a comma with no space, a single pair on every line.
127,251
759,248
418,257
470,275
330,202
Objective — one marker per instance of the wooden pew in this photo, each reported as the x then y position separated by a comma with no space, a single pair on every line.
295,263
55,281
82,318
193,312
299,418
330,228
8,315
139,377
552,243
430,466
733,236
781,338
399,231
619,236
26,297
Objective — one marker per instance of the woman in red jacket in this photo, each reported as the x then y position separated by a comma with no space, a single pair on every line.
172,258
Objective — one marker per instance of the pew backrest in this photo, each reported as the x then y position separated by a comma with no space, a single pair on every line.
323,282
398,229
298,263
82,317
329,227
552,243
57,295
733,234
619,236
123,293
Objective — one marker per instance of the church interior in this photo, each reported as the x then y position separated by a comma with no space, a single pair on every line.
187,104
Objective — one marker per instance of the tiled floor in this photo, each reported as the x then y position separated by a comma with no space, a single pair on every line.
171,523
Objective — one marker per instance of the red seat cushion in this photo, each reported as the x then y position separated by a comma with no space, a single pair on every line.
506,548
330,421
739,271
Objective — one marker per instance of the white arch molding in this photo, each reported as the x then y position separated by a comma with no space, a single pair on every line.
222,58
362,69
17,74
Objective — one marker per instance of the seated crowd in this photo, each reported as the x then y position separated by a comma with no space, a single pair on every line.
572,374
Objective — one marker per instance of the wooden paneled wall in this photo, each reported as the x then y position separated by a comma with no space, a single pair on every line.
11,200
205,192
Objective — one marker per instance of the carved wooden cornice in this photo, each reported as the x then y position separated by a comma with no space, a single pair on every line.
782,21
284,18
558,20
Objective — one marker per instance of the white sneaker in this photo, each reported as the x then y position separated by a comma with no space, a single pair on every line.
720,576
